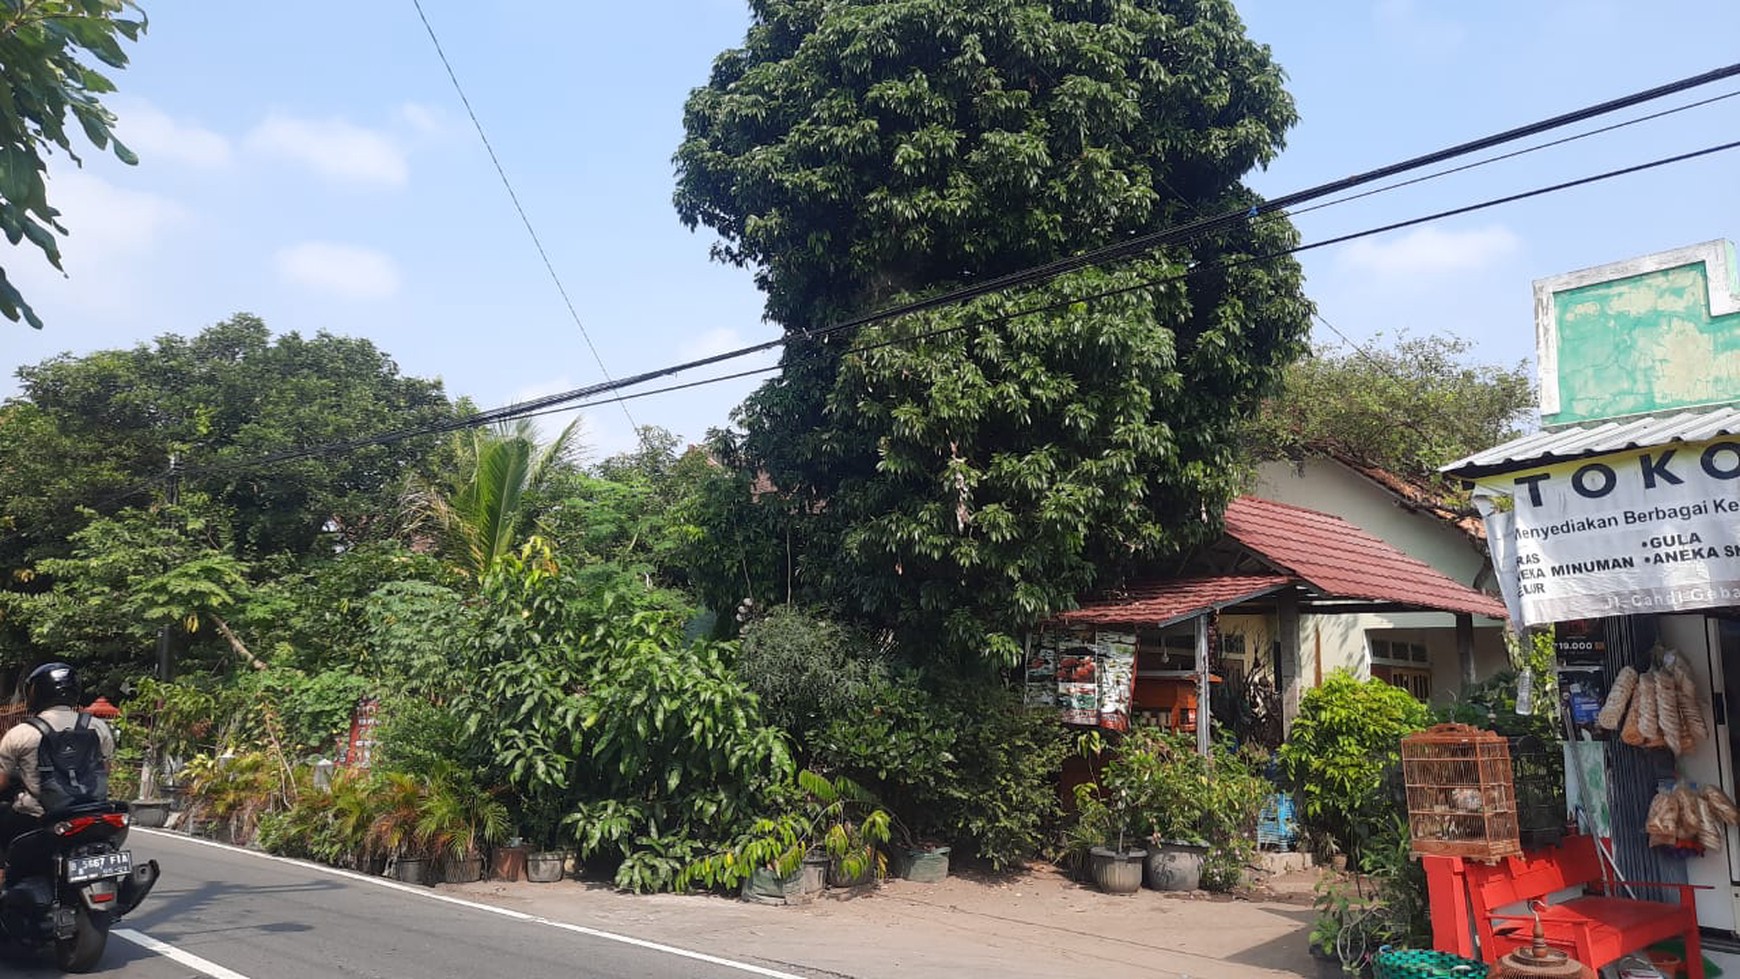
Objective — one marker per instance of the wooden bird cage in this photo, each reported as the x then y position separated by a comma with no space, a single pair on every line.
1461,794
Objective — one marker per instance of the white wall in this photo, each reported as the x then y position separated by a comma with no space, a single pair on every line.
1689,635
1329,487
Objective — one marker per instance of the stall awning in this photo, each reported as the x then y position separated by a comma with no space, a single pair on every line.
1599,438
1322,553
1161,603
1341,561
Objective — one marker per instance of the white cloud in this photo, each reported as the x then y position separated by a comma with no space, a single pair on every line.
154,135
424,119
347,271
116,234
107,222
333,148
1426,251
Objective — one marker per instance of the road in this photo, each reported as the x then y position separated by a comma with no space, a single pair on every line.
227,914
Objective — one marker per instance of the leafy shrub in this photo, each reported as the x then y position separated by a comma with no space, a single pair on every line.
607,725
1384,904
807,668
957,760
1345,743
1157,787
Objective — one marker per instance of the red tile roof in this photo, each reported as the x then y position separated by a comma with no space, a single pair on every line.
1164,602
1343,561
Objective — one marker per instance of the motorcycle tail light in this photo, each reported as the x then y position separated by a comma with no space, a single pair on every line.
78,824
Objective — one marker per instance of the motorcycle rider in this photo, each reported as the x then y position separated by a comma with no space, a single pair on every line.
53,693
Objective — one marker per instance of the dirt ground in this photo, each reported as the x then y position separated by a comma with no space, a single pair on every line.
1037,923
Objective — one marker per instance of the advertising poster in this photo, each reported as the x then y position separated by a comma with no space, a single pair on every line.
1078,689
1631,533
1040,682
1117,679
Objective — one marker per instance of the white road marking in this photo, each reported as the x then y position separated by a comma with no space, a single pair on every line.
427,894
172,953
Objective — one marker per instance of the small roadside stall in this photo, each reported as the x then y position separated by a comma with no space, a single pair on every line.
1150,652
1617,527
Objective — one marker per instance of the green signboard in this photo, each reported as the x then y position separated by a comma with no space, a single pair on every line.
1650,335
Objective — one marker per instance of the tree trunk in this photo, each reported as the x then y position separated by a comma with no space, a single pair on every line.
229,635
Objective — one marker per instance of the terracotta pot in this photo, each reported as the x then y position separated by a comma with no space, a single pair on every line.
507,863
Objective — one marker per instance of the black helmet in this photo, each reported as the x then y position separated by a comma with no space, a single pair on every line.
51,684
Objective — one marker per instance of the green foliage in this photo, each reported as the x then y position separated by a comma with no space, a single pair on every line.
1156,787
482,511
1385,903
1344,743
808,669
330,825
1408,409
957,761
606,724
233,791
854,150
48,55
86,428
816,815
955,480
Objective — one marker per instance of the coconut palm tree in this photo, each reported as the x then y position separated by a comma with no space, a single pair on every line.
479,516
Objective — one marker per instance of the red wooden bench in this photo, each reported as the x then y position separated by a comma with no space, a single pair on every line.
1595,928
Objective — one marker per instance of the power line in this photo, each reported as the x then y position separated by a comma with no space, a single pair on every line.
1137,286
515,198
566,401
1512,155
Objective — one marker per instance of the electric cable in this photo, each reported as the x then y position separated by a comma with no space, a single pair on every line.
567,400
515,198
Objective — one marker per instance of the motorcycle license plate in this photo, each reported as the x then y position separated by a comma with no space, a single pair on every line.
79,869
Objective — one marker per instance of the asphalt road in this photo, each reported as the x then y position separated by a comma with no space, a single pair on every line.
231,915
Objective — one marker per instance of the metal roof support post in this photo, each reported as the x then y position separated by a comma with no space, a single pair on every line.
1287,657
1465,648
1204,709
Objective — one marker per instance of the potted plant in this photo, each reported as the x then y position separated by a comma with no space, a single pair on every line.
456,818
1188,806
824,827
396,831
544,863
1106,828
920,858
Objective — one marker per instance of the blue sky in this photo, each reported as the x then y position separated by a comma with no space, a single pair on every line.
310,163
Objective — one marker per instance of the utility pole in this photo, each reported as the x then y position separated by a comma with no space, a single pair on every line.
165,658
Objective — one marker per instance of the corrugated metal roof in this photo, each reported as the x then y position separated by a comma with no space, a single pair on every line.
1342,561
1582,441
1159,603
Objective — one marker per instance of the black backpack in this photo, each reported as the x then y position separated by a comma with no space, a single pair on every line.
70,767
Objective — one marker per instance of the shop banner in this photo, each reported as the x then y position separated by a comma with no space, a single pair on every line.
1652,530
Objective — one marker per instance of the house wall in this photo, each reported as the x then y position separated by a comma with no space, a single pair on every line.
1329,487
1342,642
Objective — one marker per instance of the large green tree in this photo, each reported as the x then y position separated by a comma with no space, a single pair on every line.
985,467
99,431
47,49
1409,407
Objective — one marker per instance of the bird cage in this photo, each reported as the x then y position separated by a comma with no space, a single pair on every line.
1461,793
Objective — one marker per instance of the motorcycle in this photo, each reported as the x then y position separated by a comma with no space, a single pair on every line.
67,883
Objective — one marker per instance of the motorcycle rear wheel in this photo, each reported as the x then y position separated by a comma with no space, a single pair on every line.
84,949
